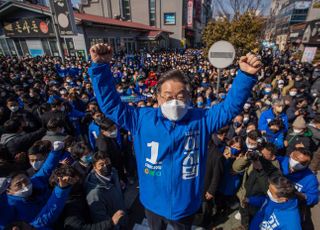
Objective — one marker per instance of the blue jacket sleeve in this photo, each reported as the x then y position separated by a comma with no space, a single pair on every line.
262,124
40,179
109,100
221,114
286,123
52,210
312,192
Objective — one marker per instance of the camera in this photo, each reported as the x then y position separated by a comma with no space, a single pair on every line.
253,155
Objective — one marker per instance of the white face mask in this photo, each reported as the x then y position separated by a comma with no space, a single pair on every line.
25,191
271,197
36,165
3,184
292,93
14,108
250,146
296,165
113,134
297,131
174,110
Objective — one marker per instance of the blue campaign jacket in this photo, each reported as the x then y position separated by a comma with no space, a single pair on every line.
305,181
27,209
268,116
170,155
6,211
94,132
275,138
277,216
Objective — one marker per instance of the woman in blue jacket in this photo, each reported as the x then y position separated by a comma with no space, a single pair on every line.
170,141
279,211
30,197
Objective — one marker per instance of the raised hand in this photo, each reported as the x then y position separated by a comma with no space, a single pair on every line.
250,64
101,53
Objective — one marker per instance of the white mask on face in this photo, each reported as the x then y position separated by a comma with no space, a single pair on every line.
292,93
113,134
250,146
271,197
174,110
296,165
14,108
297,131
36,165
25,191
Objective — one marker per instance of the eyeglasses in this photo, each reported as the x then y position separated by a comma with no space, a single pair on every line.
180,97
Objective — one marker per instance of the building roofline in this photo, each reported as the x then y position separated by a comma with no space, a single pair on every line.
83,17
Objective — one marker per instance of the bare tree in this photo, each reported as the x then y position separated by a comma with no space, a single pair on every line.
236,7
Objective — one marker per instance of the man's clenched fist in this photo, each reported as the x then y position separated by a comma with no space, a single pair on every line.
250,64
101,53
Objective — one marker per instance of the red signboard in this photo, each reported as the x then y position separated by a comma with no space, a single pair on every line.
190,13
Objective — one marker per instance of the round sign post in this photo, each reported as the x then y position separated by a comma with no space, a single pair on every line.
221,55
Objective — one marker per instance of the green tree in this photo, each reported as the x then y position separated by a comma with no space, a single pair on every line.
244,32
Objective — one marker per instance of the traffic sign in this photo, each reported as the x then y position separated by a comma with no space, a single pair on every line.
221,54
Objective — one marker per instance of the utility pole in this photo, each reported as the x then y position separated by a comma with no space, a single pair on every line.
56,32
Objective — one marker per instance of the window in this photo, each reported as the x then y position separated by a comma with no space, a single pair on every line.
126,11
24,47
46,47
152,12
53,46
11,46
19,49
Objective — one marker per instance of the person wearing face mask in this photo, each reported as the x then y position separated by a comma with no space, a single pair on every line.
107,143
57,111
298,136
56,131
17,141
32,124
296,168
275,134
170,141
94,129
276,111
256,166
279,83
279,210
29,196
37,155
103,192
220,184
237,127
83,156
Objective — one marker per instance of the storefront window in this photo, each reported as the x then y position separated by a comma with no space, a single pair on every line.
24,47
4,47
46,47
53,46
17,43
11,46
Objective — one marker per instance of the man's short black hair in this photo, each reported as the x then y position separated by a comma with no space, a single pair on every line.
105,124
270,147
100,156
284,186
12,125
304,151
54,123
40,147
174,75
254,135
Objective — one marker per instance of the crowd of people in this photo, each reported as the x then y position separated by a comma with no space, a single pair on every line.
65,165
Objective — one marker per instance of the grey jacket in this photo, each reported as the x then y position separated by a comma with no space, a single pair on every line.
52,136
104,197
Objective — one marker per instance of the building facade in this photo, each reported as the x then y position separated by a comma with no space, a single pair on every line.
184,18
26,29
